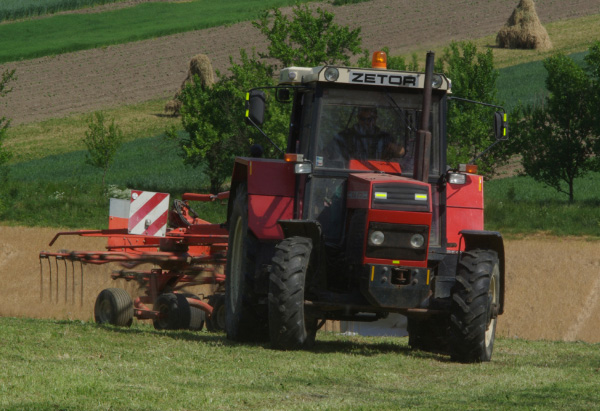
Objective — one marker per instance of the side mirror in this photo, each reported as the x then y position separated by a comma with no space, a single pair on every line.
255,107
283,95
500,126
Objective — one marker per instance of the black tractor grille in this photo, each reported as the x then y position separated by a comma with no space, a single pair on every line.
401,197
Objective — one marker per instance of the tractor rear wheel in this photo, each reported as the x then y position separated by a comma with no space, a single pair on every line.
174,312
243,323
474,307
289,326
114,306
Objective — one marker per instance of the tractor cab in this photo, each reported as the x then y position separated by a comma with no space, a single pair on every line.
362,217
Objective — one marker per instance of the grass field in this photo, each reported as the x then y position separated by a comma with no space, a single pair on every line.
73,365
67,33
18,9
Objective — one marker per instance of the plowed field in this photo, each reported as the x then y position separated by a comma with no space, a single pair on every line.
552,289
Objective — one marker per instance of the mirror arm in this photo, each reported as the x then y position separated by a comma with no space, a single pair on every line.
264,134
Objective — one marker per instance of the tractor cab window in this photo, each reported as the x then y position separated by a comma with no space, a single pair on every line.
362,130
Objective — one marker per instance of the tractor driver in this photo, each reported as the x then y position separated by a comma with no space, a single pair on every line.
366,141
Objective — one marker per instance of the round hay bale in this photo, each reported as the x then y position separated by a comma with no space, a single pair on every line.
200,66
523,30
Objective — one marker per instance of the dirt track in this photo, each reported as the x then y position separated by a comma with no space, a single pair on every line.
553,285
96,79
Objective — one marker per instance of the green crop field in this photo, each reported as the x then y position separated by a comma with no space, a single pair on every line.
73,365
67,33
18,9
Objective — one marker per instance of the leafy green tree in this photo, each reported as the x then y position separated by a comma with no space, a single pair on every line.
469,125
102,142
215,131
560,139
306,40
5,155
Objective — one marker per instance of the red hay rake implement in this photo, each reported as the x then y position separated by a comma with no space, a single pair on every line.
188,252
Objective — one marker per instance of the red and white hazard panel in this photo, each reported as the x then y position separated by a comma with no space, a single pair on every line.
148,213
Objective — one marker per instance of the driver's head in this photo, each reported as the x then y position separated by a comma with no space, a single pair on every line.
367,118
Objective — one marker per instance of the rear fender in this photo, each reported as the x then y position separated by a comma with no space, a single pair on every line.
488,240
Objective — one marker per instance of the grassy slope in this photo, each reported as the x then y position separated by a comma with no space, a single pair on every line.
74,365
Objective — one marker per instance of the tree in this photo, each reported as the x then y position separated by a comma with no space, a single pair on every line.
102,142
5,155
212,118
215,130
307,40
473,77
560,139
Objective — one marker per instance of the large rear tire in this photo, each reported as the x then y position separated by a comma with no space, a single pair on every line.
174,312
289,326
114,306
474,308
242,320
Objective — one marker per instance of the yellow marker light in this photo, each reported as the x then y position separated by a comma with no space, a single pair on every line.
379,60
396,262
373,273
421,197
381,195
428,271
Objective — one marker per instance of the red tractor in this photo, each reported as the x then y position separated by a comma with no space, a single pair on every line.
363,217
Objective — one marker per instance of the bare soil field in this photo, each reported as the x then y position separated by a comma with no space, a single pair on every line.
552,289
97,79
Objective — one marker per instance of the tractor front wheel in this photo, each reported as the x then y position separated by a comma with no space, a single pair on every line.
114,306
474,307
243,322
289,326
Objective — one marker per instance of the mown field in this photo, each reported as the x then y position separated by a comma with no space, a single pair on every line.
73,365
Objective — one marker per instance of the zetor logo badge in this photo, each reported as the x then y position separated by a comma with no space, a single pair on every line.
384,79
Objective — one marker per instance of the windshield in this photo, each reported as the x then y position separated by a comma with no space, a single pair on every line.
364,130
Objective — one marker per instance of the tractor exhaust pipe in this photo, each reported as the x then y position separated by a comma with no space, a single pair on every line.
423,146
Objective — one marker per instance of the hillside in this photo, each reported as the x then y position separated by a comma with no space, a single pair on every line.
96,79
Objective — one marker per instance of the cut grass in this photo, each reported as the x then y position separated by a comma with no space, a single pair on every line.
67,33
78,365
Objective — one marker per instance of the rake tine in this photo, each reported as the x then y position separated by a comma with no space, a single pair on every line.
81,264
50,281
73,282
66,280
57,271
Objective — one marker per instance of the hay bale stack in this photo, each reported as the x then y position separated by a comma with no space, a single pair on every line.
523,30
200,66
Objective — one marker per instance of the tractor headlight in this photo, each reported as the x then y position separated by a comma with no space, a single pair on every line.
436,81
417,241
376,238
332,74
